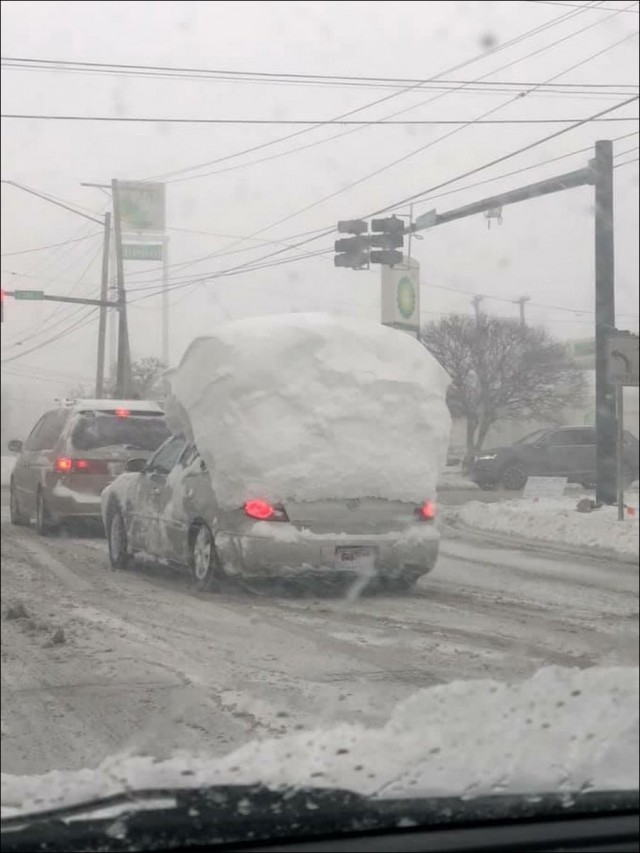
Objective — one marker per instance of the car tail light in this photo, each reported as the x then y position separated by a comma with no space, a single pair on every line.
122,413
427,511
64,465
90,466
264,511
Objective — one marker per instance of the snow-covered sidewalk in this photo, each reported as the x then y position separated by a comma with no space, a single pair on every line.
557,521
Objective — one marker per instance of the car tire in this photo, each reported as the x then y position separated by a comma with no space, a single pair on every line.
514,478
203,559
17,517
117,544
45,526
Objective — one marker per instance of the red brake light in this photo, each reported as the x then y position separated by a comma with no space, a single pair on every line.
64,465
122,413
259,509
264,511
428,511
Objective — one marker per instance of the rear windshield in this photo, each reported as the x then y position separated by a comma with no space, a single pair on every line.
134,432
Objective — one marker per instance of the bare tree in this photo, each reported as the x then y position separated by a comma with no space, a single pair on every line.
146,381
501,371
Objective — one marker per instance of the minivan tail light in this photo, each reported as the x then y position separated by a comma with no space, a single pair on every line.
427,511
65,465
90,466
264,511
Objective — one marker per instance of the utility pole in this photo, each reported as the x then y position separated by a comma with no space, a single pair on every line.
164,349
104,293
476,302
123,366
605,322
522,302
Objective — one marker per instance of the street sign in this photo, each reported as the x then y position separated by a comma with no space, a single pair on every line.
544,487
28,294
427,220
623,358
142,206
401,295
141,252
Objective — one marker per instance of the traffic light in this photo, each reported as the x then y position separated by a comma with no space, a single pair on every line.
352,252
389,237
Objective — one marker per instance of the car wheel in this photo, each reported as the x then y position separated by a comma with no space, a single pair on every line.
514,478
205,567
16,515
117,540
44,523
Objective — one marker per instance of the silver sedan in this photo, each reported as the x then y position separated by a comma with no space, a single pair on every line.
166,507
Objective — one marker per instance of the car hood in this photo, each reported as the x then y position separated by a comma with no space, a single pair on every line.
561,730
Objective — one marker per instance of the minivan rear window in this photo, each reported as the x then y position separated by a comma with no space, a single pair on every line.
134,432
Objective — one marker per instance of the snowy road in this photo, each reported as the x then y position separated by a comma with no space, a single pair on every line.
143,664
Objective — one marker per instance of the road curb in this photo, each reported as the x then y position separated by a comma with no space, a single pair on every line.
507,541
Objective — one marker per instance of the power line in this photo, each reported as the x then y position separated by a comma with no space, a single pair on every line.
581,6
83,321
510,43
501,159
259,121
50,246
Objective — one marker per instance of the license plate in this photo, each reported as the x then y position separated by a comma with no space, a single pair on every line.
356,559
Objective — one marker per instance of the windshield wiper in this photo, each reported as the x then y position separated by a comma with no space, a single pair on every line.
168,818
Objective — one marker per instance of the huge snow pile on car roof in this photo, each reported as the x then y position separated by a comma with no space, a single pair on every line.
313,406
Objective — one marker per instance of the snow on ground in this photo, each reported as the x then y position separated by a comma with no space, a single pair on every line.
564,730
313,406
7,467
558,521
452,478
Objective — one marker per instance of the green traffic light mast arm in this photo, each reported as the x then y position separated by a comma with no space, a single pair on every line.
52,201
104,303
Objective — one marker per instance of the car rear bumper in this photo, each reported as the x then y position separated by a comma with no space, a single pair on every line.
484,473
285,551
63,502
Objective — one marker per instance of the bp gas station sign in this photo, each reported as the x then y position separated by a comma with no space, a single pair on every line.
401,296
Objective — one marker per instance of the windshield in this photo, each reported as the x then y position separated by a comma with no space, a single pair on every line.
339,301
533,437
94,431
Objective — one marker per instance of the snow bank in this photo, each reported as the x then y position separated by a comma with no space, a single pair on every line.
453,479
563,730
557,521
312,406
7,467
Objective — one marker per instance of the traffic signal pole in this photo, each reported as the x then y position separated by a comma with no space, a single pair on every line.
606,491
598,173
102,322
123,364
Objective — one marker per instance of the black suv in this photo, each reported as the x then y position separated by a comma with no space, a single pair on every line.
564,452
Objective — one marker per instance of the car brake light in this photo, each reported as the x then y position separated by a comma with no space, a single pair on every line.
122,413
427,511
64,465
90,466
264,511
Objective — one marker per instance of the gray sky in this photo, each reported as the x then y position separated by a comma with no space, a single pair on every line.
544,248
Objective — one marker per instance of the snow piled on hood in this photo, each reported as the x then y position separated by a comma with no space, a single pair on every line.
312,406
563,730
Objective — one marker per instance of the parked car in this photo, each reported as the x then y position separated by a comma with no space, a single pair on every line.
166,507
563,452
73,452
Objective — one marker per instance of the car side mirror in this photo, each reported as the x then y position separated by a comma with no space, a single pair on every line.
15,446
135,466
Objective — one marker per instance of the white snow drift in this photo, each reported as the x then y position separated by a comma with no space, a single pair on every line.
563,730
313,406
556,521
